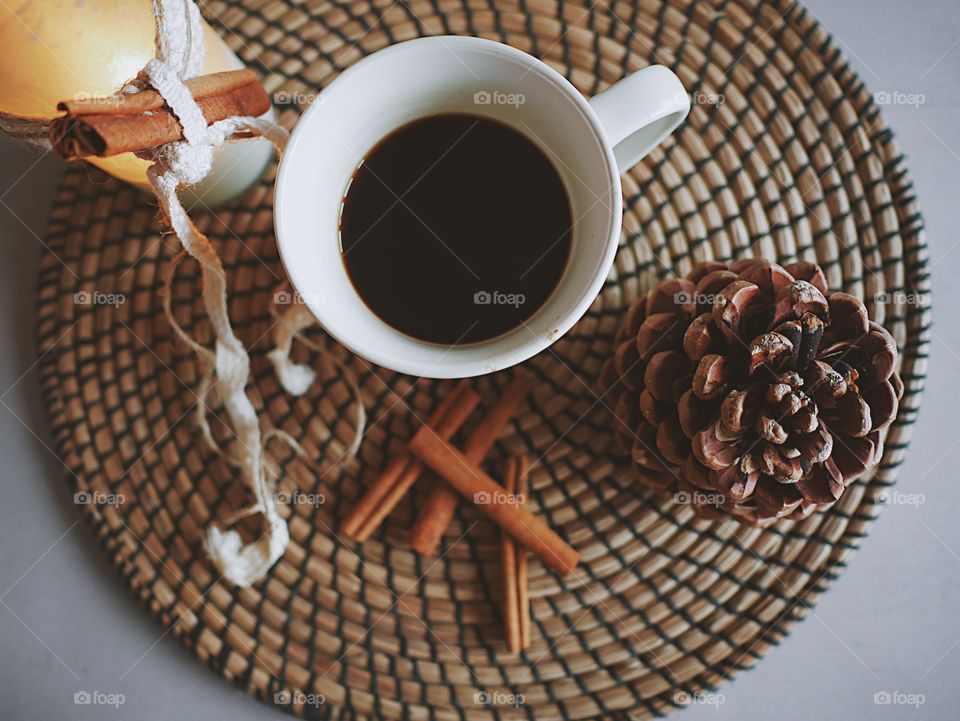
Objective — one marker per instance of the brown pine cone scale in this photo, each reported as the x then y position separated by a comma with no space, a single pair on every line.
752,389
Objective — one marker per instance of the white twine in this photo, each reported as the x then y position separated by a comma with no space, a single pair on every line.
179,43
180,51
295,377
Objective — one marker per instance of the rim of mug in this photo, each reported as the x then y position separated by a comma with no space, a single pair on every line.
482,363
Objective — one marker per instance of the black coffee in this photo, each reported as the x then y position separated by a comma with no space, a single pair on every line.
455,229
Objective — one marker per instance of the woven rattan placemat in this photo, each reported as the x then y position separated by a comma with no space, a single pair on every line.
784,156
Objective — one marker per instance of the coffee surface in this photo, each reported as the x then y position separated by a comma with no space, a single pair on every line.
455,229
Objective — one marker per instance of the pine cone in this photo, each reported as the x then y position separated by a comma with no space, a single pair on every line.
752,389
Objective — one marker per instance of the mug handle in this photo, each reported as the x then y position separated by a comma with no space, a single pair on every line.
639,111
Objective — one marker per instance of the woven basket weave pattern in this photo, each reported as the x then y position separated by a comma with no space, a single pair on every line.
784,156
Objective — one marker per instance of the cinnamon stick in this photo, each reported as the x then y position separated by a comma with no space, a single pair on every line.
516,599
437,512
523,590
403,470
489,497
128,122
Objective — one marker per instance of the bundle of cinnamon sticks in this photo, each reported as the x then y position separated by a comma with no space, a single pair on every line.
130,122
403,471
459,475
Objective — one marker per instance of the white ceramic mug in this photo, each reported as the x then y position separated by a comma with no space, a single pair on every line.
590,143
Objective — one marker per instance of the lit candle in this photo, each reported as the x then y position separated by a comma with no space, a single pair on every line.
63,49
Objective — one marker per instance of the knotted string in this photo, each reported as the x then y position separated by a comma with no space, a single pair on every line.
179,57
179,44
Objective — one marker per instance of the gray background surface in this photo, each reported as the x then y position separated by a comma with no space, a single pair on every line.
889,624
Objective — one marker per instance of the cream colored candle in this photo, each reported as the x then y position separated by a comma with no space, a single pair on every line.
59,49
